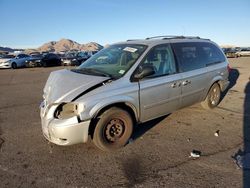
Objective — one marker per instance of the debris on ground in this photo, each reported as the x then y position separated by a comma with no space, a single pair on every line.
243,160
195,154
217,133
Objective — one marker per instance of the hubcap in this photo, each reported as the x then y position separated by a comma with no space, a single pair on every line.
215,96
114,130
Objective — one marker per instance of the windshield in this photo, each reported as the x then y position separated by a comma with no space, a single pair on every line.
113,61
70,54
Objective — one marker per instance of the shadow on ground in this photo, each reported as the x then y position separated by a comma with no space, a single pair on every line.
141,129
246,133
233,77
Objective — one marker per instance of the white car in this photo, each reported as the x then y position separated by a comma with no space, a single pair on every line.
243,52
4,61
18,61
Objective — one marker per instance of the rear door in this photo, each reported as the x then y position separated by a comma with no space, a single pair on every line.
159,94
193,70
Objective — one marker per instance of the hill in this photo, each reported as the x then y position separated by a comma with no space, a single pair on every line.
67,44
7,49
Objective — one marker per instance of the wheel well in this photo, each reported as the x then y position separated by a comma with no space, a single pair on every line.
121,105
218,82
12,63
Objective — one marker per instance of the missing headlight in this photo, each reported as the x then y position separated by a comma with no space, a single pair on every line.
66,110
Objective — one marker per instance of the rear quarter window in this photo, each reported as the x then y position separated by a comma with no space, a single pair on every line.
212,54
196,55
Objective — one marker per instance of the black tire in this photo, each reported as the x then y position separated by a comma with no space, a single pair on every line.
113,129
45,64
13,65
29,64
213,97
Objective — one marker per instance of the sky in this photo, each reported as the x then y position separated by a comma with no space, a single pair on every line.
30,23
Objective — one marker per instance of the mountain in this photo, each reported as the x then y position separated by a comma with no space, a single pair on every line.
57,46
7,49
66,45
92,46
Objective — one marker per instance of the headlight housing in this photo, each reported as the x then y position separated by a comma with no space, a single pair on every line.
6,62
68,110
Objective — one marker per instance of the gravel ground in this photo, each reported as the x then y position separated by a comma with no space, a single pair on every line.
158,156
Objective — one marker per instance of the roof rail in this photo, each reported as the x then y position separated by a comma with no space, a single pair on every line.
173,37
133,40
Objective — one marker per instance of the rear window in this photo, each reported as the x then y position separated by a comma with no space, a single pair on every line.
196,55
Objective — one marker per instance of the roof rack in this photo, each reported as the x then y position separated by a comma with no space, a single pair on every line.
173,37
133,40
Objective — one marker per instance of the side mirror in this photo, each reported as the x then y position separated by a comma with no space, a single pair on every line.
146,71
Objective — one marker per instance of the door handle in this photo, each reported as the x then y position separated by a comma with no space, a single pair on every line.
174,85
186,82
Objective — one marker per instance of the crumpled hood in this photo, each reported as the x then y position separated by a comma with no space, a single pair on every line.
65,85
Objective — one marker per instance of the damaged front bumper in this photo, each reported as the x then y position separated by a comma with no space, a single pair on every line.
62,131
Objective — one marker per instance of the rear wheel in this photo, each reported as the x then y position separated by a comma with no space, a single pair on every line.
13,65
113,129
213,97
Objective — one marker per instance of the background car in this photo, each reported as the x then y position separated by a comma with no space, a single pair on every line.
7,57
50,59
4,60
18,61
230,52
34,61
74,59
244,52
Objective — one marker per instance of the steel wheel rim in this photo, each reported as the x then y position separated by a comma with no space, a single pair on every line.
114,130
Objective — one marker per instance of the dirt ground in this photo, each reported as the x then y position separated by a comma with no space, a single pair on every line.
158,155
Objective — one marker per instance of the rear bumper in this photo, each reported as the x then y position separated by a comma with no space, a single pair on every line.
64,132
224,85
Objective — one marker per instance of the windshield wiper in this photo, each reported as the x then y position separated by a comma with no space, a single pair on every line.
92,72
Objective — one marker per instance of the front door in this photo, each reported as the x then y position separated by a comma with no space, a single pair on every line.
159,94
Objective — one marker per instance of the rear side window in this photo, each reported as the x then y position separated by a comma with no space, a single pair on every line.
196,55
212,54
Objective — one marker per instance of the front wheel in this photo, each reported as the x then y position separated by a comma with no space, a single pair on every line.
13,65
113,129
213,97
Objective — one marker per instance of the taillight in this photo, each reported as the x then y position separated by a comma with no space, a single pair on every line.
228,68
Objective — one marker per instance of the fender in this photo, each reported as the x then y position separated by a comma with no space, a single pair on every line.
215,79
129,101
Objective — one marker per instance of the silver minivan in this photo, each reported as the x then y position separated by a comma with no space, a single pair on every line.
129,83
